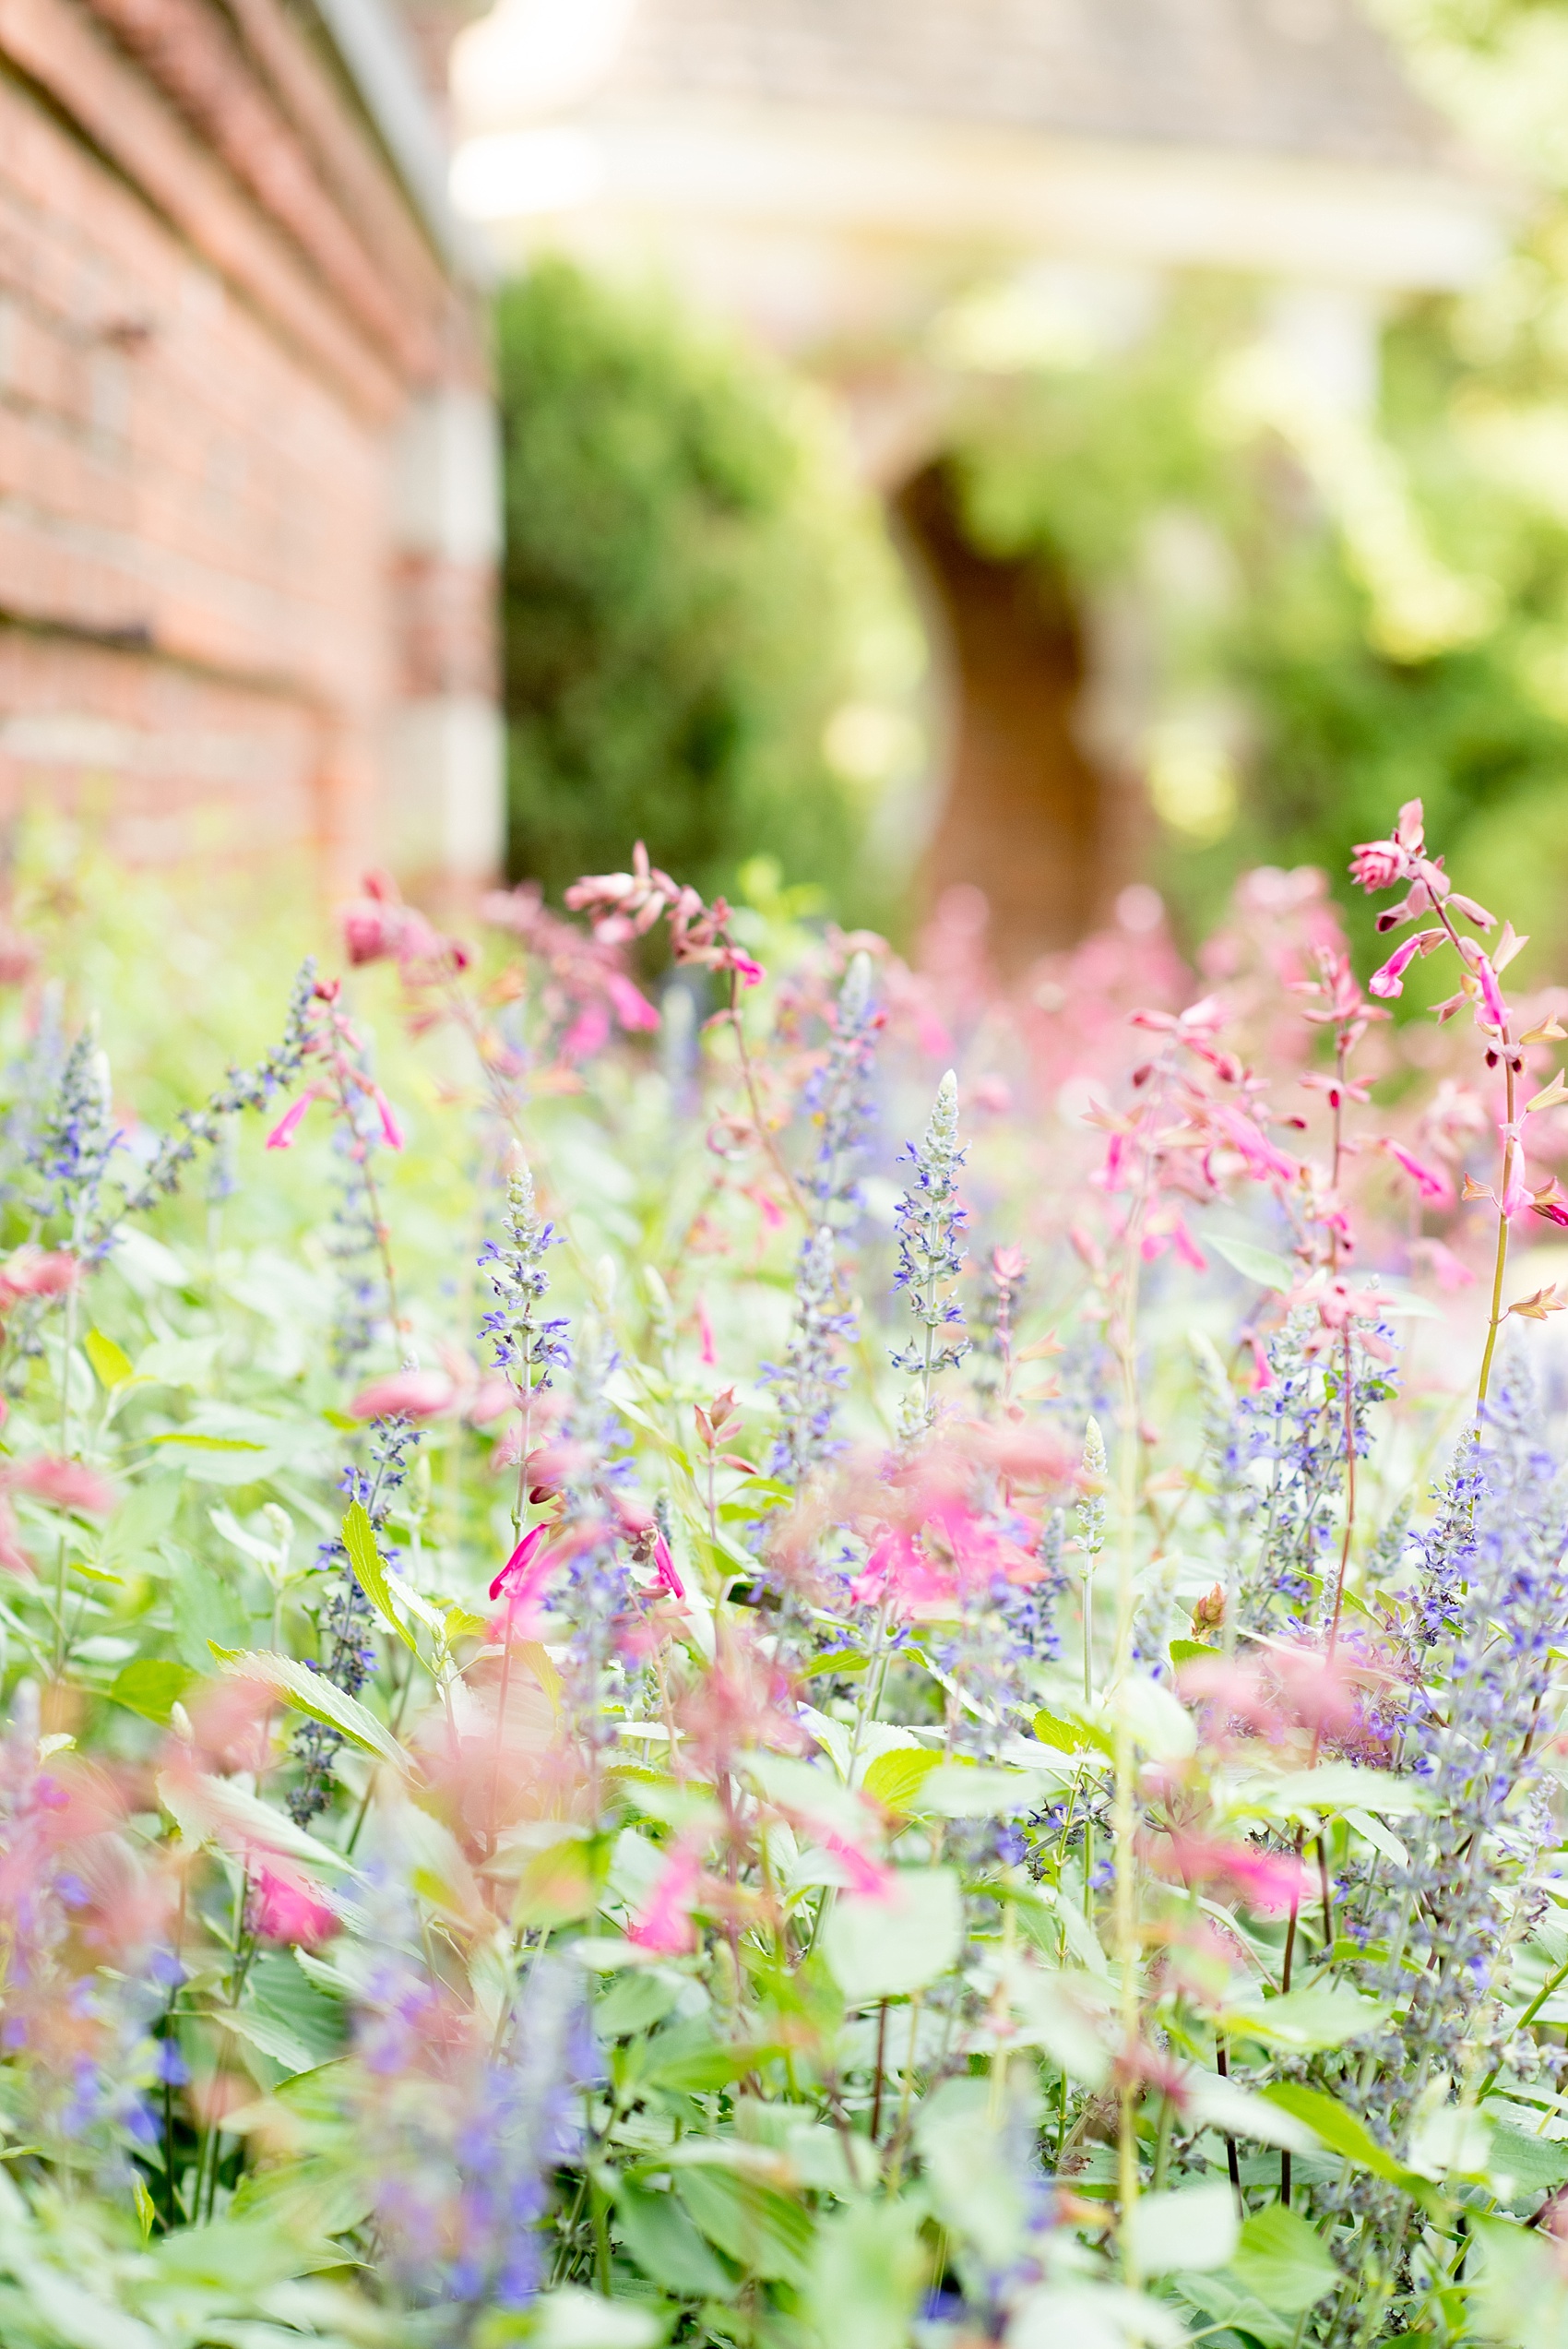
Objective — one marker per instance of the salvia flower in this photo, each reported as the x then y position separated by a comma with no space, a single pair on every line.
929,1221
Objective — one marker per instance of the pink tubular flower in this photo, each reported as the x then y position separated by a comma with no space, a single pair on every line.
1491,994
1390,979
1430,1181
664,1565
869,1877
65,1482
1267,1881
665,1927
630,1004
409,1394
705,1333
287,1125
1377,864
527,1569
391,1132
286,1906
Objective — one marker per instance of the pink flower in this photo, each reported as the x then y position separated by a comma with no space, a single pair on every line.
588,1033
631,1006
665,1926
527,1569
409,1394
41,1273
391,1132
289,1907
368,932
1267,1881
705,1333
1390,979
749,971
287,1125
1491,994
1377,864
867,1877
1430,1181
664,1565
65,1482
1009,1264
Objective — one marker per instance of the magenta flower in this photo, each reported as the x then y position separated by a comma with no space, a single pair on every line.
1430,1181
65,1482
527,1569
1390,979
664,1565
286,1906
287,1125
665,1927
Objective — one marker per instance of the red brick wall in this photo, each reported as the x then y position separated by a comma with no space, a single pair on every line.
198,591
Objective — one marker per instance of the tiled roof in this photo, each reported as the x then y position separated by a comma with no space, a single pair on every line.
1298,77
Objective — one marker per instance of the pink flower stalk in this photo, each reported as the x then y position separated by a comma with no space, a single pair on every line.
665,1927
66,1483
409,1394
527,1569
287,1125
286,1906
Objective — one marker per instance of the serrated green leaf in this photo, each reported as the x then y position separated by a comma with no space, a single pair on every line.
894,1779
1321,2015
359,1540
206,1808
1065,1736
1344,2133
660,2233
313,1693
762,2230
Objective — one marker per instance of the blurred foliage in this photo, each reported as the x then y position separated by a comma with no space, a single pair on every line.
1338,612
695,589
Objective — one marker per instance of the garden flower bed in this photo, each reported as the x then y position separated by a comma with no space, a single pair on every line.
843,1658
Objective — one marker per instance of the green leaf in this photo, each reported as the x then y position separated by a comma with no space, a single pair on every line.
150,1686
1283,2260
207,1443
359,1540
660,2235
866,2274
885,1947
206,1808
894,1779
1336,1786
1270,1272
1073,1737
112,1367
1196,2226
274,2039
1343,2133
1187,1650
312,1693
762,2230
1321,2015
572,2318
1523,2167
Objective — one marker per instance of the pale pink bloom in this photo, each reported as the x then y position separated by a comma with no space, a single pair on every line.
287,1125
41,1273
66,1483
1009,1264
665,1926
705,1333
489,1401
991,1093
369,932
769,1209
632,1008
289,1907
409,1394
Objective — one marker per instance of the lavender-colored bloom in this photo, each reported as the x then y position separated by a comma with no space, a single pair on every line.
347,1619
840,1101
928,1221
811,1381
526,1347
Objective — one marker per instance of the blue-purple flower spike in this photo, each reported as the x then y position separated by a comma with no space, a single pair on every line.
928,1221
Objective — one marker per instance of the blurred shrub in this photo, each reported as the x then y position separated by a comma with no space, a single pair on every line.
694,590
